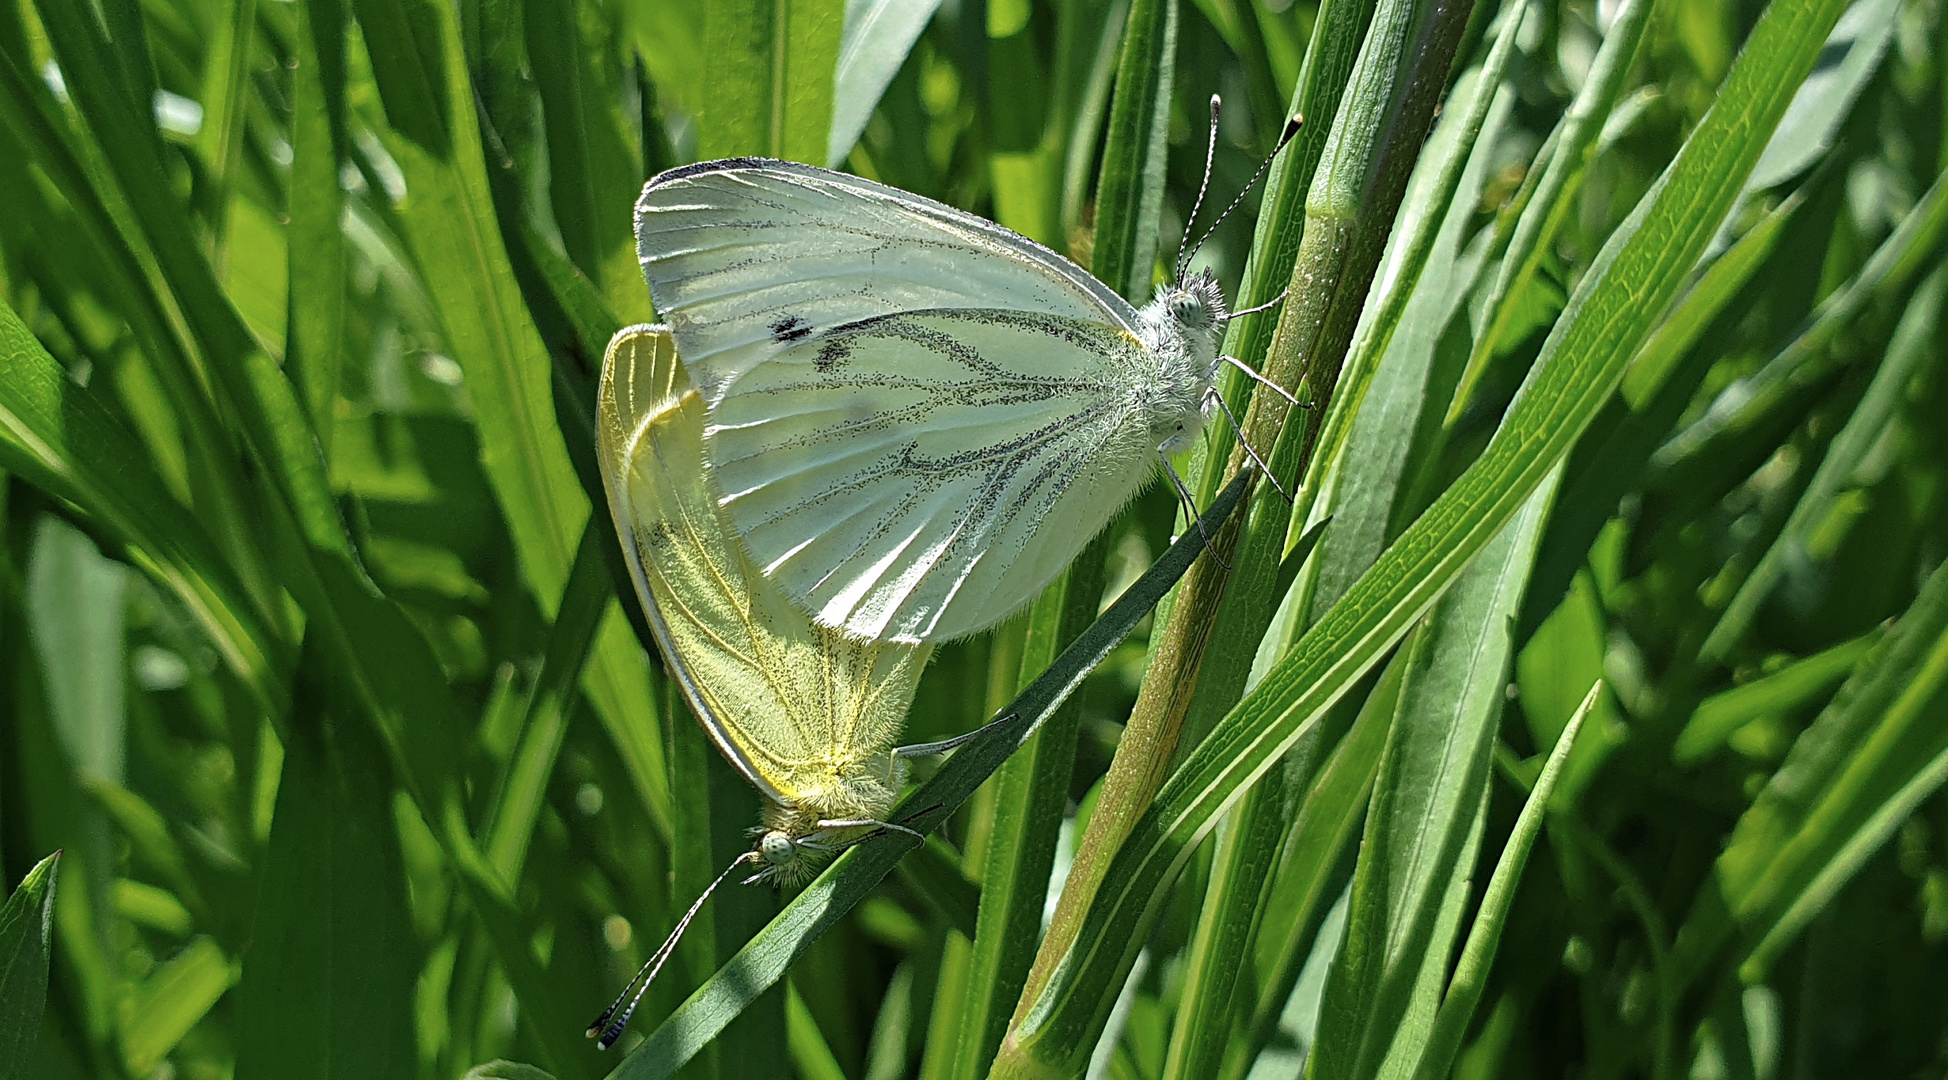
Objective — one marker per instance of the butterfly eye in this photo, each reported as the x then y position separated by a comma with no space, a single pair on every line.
776,848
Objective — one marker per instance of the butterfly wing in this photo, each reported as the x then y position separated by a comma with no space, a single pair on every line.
748,257
804,712
922,476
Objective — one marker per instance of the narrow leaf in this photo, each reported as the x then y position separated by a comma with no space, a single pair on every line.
26,929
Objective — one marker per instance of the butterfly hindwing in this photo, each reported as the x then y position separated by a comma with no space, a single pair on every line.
923,475
796,707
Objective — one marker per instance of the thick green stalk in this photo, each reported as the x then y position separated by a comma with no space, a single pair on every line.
1139,757
1363,173
1247,853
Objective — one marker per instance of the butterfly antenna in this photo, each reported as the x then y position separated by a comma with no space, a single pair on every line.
1292,127
607,1028
1210,159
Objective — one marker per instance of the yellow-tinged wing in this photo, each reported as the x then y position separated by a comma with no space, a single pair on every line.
806,713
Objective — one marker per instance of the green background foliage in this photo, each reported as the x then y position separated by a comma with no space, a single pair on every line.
1584,713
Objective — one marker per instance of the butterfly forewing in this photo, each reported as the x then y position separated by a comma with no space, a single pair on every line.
748,256
918,417
787,702
924,475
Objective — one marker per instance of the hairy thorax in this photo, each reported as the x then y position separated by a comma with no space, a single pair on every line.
1181,328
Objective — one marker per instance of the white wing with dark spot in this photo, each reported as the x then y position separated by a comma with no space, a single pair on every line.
747,257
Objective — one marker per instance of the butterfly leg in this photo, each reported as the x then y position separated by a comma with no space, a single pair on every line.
946,745
1263,468
1255,309
860,823
1190,505
1255,375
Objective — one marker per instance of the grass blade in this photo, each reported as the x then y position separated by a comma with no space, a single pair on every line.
1426,802
1471,970
58,435
26,929
328,982
768,76
877,38
1848,782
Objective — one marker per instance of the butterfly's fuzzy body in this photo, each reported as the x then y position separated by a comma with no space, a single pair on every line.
1181,329
916,418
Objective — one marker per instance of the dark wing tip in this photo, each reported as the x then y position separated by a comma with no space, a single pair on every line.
733,164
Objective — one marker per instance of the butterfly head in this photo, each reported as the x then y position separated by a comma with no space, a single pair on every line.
785,859
1195,302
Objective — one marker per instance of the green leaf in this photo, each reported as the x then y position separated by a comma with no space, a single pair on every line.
878,36
316,333
59,435
410,65
1315,865
1893,270
506,1070
1872,755
1913,350
810,1053
1129,193
327,989
1426,802
1780,691
449,222
1550,205
545,722
1470,979
768,73
75,614
26,929
265,403
171,1000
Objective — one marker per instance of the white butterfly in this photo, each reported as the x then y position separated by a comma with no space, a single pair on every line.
916,418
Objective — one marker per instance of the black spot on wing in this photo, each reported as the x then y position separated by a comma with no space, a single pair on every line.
790,329
830,353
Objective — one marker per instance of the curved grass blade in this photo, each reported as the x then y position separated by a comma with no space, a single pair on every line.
878,36
59,436
1847,784
763,961
1471,971
1911,350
